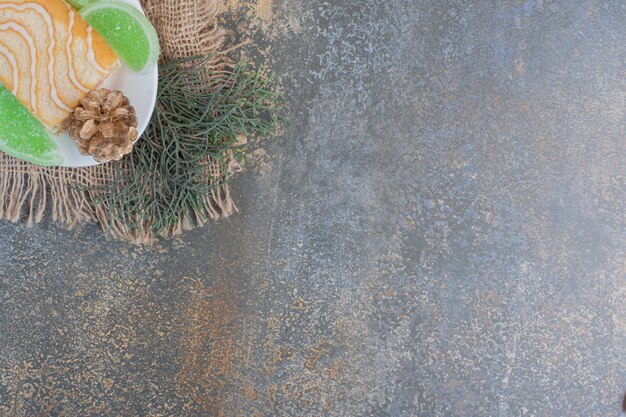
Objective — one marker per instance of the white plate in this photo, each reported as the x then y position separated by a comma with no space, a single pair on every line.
141,89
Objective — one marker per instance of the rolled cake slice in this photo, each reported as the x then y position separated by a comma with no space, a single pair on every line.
50,57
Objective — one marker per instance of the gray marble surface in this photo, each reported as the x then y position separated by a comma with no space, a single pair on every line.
439,232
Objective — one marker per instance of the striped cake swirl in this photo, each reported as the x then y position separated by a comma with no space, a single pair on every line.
50,57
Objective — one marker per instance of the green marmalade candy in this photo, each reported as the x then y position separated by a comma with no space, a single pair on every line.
127,31
23,136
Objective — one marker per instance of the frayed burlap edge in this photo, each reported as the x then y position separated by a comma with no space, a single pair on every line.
29,193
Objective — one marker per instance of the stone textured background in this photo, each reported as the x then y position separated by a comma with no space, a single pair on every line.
439,232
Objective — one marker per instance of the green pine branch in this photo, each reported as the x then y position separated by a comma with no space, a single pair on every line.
199,115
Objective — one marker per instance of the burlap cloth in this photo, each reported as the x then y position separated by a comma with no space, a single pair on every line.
30,193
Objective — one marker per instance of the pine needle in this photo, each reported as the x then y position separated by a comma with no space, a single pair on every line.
201,111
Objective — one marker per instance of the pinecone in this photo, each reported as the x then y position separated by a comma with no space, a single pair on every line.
104,125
